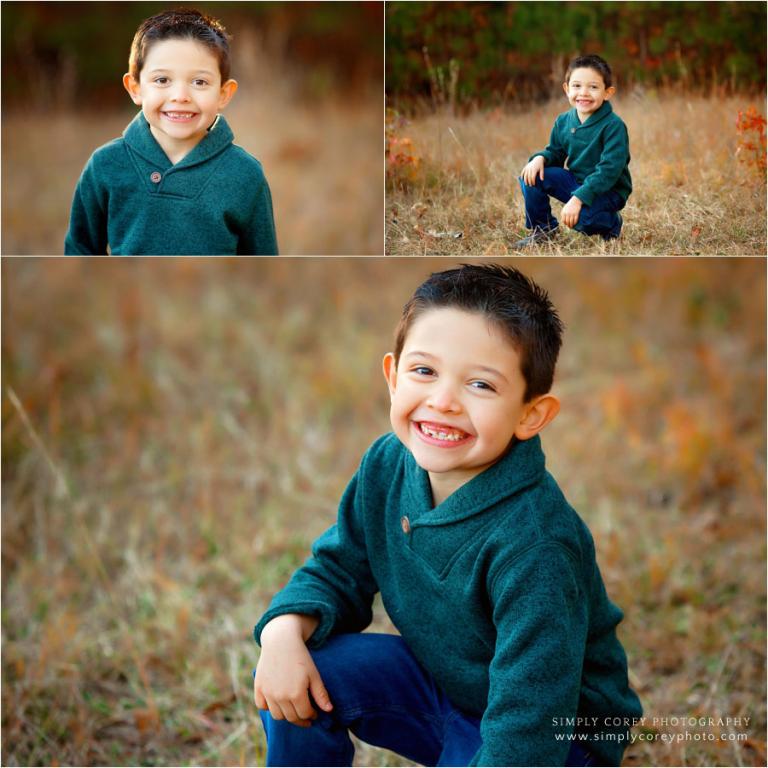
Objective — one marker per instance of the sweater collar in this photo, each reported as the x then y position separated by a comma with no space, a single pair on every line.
595,117
523,465
140,139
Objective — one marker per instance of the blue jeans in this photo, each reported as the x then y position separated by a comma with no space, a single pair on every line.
380,693
600,218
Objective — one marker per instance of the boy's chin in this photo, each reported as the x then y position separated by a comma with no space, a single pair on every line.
435,460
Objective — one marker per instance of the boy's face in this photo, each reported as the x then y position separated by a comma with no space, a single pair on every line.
586,91
457,394
180,91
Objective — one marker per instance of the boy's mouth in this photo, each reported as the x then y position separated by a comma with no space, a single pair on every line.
441,434
179,117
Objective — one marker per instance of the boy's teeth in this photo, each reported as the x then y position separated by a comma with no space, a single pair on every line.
441,434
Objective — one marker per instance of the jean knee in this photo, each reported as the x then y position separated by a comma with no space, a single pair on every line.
599,221
344,661
328,658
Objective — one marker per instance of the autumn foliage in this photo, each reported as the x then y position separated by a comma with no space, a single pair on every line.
401,158
751,150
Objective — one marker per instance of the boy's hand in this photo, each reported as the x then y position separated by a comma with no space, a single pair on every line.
571,211
532,170
286,674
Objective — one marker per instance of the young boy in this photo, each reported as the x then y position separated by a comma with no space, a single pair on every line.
586,161
174,183
507,653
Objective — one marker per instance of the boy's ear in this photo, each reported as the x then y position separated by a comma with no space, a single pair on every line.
538,413
227,92
132,87
609,92
565,88
390,372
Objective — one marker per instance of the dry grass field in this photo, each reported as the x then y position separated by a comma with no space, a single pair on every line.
175,433
691,195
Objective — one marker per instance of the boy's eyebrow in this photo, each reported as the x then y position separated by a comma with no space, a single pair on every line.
487,368
194,71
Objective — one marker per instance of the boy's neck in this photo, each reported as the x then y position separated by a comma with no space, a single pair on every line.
584,117
444,484
175,149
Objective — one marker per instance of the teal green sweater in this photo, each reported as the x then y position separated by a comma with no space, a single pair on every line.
597,152
496,591
130,197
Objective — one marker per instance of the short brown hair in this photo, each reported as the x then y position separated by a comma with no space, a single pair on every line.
591,61
510,300
181,23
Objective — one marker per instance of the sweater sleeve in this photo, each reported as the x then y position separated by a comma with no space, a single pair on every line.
555,152
613,160
87,235
540,615
258,236
336,584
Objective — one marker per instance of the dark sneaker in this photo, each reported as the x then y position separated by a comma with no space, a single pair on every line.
537,236
616,231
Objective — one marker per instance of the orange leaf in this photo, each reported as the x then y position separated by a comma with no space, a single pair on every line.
146,719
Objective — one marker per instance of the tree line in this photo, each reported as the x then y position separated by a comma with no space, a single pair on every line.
73,54
483,52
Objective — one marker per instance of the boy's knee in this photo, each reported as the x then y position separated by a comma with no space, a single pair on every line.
598,223
337,654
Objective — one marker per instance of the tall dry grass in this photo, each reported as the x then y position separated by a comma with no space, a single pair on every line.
691,194
176,433
321,155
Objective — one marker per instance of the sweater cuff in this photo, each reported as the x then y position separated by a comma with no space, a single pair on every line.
586,195
547,157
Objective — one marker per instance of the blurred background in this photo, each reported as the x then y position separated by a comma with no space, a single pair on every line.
175,433
309,107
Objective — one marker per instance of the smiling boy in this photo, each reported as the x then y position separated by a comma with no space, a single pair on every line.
585,164
174,183
507,653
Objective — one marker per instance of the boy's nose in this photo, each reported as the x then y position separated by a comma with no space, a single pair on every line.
444,399
180,93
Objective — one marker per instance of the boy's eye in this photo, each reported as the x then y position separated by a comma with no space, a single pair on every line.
482,385
161,80
422,370
200,82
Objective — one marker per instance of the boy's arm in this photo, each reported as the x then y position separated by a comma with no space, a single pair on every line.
555,152
336,584
540,614
87,235
258,237
612,162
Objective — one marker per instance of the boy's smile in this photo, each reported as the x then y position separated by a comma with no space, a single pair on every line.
180,93
457,396
443,435
586,91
